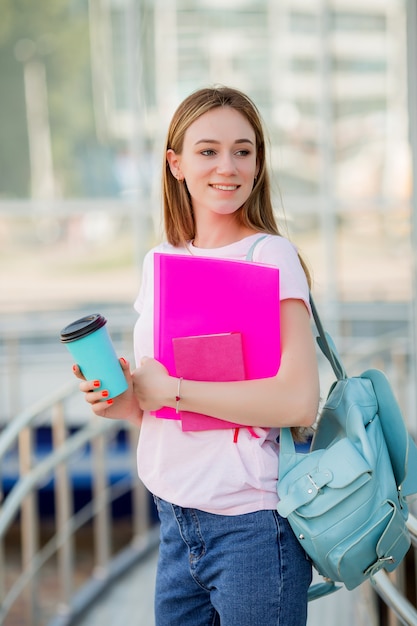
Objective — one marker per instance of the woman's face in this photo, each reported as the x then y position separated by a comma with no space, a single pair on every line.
218,161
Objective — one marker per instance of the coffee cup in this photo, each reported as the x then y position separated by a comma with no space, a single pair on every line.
90,345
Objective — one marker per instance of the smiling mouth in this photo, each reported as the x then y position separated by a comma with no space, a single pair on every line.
225,187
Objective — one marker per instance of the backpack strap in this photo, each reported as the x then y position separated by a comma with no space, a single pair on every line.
319,590
249,255
324,340
327,345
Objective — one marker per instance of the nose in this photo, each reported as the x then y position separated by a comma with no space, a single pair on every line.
226,164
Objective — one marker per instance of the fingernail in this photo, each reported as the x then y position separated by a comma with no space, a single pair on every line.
96,383
105,393
74,368
110,401
123,359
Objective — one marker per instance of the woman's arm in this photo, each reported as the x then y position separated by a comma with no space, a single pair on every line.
125,406
288,399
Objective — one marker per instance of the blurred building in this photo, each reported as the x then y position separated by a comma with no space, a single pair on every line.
330,79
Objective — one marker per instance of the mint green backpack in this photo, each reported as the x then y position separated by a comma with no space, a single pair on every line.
346,498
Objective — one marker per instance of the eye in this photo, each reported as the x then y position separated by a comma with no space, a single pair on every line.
208,152
242,153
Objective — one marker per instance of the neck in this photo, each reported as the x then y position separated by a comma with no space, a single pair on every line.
219,240
220,233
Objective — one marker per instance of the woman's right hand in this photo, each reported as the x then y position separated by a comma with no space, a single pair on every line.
124,406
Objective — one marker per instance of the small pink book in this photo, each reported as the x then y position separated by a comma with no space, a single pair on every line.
216,357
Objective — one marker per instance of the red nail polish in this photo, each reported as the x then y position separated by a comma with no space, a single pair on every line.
105,393
96,383
110,401
74,368
123,359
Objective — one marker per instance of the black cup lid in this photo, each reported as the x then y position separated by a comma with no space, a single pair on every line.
82,327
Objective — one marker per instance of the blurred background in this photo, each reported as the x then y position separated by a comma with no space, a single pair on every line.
87,91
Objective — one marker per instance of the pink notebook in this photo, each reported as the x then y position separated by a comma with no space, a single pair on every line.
208,357
206,296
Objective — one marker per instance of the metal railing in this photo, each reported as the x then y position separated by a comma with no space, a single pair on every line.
395,599
87,446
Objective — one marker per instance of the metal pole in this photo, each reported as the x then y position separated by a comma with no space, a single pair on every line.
411,8
29,526
102,522
140,497
328,217
135,60
412,117
63,514
2,564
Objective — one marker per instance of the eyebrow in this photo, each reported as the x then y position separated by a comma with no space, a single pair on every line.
217,142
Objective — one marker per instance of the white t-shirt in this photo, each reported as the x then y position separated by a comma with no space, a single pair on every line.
208,470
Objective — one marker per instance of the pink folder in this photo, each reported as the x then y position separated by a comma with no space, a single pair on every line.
206,296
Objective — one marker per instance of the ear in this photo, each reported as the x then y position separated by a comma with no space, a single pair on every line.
174,162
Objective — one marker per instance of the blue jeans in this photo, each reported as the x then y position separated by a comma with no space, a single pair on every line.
240,570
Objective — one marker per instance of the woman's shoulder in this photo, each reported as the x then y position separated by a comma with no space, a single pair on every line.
272,248
163,248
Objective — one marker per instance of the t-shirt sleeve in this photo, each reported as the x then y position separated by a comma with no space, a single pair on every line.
280,252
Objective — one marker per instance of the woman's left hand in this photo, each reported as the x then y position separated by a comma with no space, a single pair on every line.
153,386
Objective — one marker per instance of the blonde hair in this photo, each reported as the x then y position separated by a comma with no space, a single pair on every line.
257,212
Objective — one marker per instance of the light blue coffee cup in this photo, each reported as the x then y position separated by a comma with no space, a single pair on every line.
90,345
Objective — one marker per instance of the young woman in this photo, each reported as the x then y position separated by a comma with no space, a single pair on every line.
226,556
